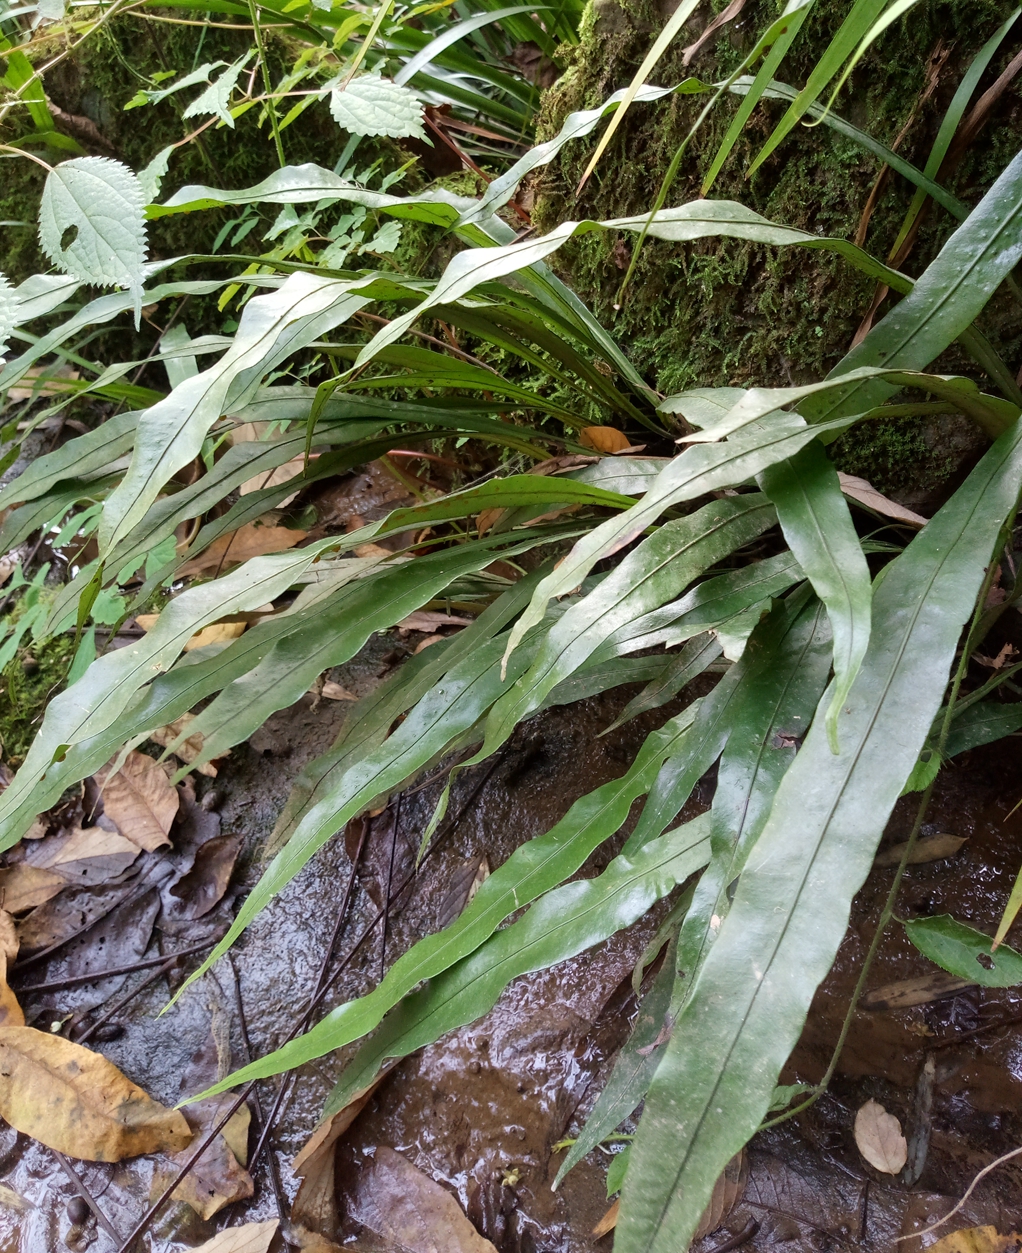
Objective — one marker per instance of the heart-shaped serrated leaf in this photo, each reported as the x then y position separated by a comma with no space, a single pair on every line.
371,105
8,305
91,223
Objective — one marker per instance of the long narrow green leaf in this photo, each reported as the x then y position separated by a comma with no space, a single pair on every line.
792,903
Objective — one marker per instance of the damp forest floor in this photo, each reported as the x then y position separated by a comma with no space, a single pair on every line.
481,1112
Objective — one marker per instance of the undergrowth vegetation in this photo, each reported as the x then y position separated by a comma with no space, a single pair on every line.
570,529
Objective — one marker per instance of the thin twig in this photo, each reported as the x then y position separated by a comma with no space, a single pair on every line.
117,1006
1005,1157
85,1194
75,980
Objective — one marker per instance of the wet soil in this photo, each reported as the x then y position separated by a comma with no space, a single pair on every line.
481,1110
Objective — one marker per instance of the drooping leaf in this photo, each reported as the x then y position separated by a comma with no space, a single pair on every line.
791,907
371,105
91,224
965,952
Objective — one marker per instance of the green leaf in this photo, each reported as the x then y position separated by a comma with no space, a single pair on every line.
371,105
91,224
152,176
982,723
791,906
216,98
560,925
816,522
93,453
8,312
964,952
924,772
532,869
688,665
616,1171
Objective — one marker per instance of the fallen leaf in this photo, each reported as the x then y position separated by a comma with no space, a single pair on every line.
311,1241
248,1238
431,620
189,748
196,892
251,540
929,848
727,1192
140,800
996,663
879,1139
405,1206
922,990
24,887
608,1222
488,519
75,1101
9,942
84,855
217,1178
977,1240
11,1014
218,633
57,920
428,642
604,439
866,494
333,691
11,1199
466,880
274,478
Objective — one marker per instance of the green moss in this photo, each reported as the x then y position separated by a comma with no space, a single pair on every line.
28,683
717,313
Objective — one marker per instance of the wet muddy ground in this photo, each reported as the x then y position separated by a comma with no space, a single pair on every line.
481,1111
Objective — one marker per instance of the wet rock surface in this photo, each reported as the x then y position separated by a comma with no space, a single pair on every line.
481,1111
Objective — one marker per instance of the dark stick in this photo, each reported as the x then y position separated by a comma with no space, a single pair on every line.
85,1194
126,1000
74,980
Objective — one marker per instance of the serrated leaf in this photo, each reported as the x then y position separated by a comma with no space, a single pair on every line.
371,105
91,224
151,177
216,98
8,311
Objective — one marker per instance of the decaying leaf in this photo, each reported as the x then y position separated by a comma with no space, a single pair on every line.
866,494
84,855
921,990
431,620
977,1240
217,633
9,942
140,799
311,1241
466,881
248,1238
189,748
727,1192
408,1208
879,1139
488,519
73,1100
334,691
196,892
10,1011
24,887
604,439
76,908
929,848
251,540
217,1178
274,478
609,1221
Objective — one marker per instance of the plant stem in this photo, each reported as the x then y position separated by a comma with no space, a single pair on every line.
271,107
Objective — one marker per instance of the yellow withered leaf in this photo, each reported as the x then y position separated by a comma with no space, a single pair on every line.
73,1100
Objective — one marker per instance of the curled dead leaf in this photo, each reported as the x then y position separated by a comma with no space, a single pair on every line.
23,886
866,494
248,1238
190,747
604,439
334,691
488,519
878,1138
929,848
140,800
11,1014
85,855
251,540
75,1101
922,990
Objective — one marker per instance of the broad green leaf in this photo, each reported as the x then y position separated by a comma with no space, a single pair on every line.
91,224
965,952
631,476
791,906
562,924
42,293
944,302
88,454
982,723
371,105
170,434
816,522
532,869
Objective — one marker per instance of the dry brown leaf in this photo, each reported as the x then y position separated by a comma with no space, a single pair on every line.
217,1178
977,1240
189,748
248,1238
866,494
274,478
879,1139
217,633
487,520
727,1192
36,831
140,799
408,1208
922,990
929,848
311,1241
23,887
196,892
251,540
73,1100
604,439
608,1222
428,642
11,1014
333,691
431,620
84,855
9,942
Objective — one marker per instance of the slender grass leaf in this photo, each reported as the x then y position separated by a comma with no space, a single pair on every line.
691,662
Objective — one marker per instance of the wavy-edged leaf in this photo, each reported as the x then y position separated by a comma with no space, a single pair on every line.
216,98
535,867
692,661
560,925
814,517
92,453
371,105
452,34
8,312
91,224
791,906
